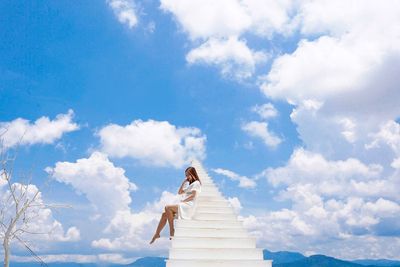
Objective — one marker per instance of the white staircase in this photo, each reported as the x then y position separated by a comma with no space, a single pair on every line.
215,237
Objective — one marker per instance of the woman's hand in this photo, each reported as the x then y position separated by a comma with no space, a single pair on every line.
181,191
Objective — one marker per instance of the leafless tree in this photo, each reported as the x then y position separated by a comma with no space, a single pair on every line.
20,205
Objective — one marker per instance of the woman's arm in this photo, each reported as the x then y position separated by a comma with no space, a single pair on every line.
181,191
192,196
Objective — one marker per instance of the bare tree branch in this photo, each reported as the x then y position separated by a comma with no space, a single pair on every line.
21,206
38,259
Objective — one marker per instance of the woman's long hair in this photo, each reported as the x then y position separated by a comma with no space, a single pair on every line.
191,170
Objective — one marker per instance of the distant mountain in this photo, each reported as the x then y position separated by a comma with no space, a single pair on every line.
149,262
280,259
380,262
282,256
295,259
319,261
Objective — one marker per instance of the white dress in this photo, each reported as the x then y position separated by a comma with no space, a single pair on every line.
186,209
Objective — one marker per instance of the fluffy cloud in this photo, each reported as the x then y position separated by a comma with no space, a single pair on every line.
396,163
108,190
153,142
233,56
347,229
235,203
347,64
338,179
125,11
205,19
244,181
260,130
42,131
318,69
334,204
266,111
219,25
352,47
105,185
270,16
388,134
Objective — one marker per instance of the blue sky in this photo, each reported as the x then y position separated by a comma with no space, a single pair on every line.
293,113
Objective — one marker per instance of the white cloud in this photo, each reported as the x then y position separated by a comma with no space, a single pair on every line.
202,19
396,163
352,47
348,129
334,205
345,62
125,11
232,55
341,178
388,134
153,142
244,181
270,16
260,130
108,190
235,203
345,229
42,131
105,186
207,18
318,69
219,25
266,111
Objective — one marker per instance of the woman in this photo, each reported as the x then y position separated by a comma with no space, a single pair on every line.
185,209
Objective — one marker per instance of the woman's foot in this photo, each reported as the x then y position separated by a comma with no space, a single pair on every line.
154,238
171,234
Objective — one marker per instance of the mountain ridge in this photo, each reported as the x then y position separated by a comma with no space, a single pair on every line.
280,259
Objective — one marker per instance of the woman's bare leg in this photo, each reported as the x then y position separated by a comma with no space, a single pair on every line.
161,224
171,210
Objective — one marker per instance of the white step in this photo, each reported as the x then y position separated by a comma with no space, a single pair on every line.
214,216
215,203
216,253
202,197
213,242
215,237
208,188
210,232
210,194
209,208
208,224
218,263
